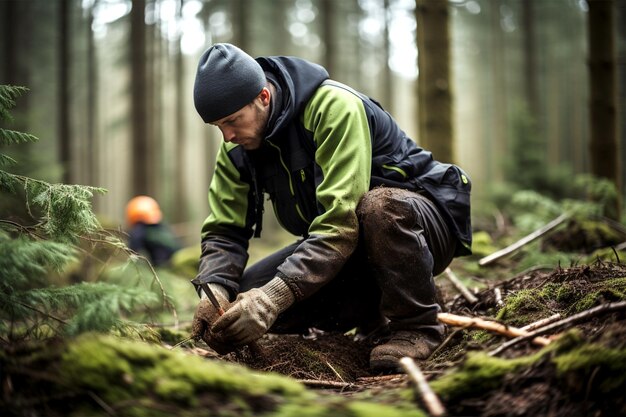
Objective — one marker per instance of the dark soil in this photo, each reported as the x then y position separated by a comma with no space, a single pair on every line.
339,363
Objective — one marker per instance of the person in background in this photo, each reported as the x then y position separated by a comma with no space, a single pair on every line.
377,216
147,233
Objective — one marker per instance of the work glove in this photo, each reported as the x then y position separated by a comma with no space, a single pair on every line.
253,313
205,316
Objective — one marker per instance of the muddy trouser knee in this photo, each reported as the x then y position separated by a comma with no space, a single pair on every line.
407,243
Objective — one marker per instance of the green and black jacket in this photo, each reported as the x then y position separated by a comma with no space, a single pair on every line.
326,145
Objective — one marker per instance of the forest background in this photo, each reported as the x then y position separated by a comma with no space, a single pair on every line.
504,88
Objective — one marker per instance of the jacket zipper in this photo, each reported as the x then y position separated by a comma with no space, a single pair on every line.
293,194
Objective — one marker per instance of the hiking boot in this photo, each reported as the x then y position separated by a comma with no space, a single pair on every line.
411,343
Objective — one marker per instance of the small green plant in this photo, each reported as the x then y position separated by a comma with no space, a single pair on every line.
36,249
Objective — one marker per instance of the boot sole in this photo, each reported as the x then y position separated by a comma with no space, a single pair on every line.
386,364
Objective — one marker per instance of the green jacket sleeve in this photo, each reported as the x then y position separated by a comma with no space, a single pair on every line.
227,229
337,119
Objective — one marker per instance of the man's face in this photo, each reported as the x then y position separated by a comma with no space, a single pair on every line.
246,127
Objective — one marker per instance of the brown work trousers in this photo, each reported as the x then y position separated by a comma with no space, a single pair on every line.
403,243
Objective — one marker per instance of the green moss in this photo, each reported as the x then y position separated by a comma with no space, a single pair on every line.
482,244
118,369
334,408
609,365
139,379
576,365
522,307
528,305
366,409
479,373
610,289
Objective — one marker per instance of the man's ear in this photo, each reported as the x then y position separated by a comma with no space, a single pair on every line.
265,96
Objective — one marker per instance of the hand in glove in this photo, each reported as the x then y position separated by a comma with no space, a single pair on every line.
206,315
253,313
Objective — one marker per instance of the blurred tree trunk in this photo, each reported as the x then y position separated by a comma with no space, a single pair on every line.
499,116
141,151
64,65
530,59
621,7
153,89
241,23
181,132
387,93
281,35
328,36
16,38
92,102
603,94
434,95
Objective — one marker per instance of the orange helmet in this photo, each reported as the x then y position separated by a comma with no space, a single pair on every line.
143,209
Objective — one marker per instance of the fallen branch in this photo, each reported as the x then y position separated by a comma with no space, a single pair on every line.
467,294
324,384
543,322
377,378
432,402
524,241
462,321
595,311
498,296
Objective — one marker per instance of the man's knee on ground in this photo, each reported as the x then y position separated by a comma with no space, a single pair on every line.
382,208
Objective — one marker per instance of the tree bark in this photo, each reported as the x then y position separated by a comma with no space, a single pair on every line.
603,95
140,145
387,93
65,134
92,103
328,36
434,95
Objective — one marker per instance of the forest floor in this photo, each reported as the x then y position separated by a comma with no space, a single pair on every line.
583,375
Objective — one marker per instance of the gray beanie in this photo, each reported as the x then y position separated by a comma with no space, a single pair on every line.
227,79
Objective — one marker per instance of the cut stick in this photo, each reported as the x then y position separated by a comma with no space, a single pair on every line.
462,321
540,323
432,402
523,241
324,384
467,294
595,311
498,295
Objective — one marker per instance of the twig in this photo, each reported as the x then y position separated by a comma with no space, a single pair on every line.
324,384
498,295
595,311
107,408
524,241
182,342
461,287
367,379
335,372
432,402
540,323
462,321
443,344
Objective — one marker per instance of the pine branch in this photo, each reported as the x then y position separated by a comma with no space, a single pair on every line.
8,97
6,160
13,137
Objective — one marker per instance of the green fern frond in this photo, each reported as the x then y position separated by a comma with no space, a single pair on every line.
13,137
8,184
8,96
6,160
26,263
66,209
92,306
